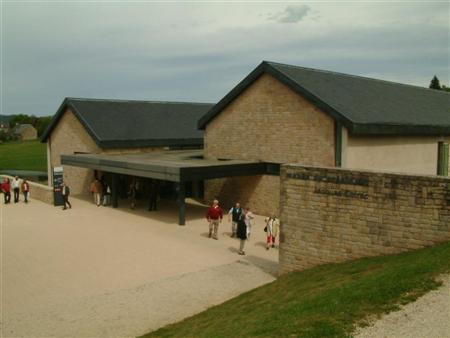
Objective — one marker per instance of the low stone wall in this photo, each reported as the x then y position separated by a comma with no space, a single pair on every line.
333,215
38,191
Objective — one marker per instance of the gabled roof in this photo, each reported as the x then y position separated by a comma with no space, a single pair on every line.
363,105
120,123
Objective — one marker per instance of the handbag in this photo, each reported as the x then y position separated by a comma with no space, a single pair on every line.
265,228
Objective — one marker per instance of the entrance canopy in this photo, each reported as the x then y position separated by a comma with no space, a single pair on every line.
170,165
178,166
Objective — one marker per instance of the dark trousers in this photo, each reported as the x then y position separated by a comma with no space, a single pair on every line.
25,196
152,205
7,197
66,202
16,195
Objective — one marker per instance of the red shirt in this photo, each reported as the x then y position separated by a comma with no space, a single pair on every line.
214,213
6,187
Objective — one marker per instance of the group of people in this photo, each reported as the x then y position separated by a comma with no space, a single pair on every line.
101,192
241,224
17,186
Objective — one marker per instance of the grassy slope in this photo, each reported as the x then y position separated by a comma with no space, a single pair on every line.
30,155
326,301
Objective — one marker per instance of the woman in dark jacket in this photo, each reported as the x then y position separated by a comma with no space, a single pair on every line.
241,234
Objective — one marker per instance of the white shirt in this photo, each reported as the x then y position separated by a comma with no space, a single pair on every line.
16,184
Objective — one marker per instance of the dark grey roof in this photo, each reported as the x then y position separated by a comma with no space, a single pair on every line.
120,123
363,105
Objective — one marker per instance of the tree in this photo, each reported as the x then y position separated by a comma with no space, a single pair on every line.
434,84
445,88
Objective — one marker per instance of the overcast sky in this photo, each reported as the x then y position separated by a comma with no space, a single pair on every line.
199,51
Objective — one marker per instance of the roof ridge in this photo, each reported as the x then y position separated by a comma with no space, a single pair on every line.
140,101
355,76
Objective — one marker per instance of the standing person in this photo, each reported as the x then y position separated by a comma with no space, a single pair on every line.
106,194
234,215
96,190
272,228
6,189
241,233
248,221
154,190
214,217
133,191
25,189
65,192
16,188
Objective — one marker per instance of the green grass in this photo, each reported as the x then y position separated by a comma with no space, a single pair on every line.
325,301
29,155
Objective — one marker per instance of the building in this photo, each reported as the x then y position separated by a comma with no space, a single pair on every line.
281,113
4,127
277,114
25,132
92,126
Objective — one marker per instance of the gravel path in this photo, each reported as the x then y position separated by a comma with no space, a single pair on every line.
427,317
103,272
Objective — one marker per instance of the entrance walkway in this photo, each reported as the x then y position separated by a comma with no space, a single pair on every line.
96,271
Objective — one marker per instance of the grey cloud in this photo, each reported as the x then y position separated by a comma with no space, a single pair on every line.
291,14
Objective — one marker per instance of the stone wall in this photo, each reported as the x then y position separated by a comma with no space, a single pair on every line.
332,215
271,123
38,191
70,137
259,193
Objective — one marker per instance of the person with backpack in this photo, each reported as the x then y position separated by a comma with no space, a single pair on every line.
234,215
241,233
65,192
25,187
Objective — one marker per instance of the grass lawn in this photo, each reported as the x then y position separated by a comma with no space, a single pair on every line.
325,301
29,155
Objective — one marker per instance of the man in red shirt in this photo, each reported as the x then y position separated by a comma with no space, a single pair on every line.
214,217
6,189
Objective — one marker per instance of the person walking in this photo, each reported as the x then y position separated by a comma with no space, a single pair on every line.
6,189
65,192
248,221
214,217
96,190
241,233
272,228
16,188
234,215
25,187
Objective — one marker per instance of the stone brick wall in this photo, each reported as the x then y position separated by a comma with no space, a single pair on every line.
38,191
271,123
333,215
259,193
70,137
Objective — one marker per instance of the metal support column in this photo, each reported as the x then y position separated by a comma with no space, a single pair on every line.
181,203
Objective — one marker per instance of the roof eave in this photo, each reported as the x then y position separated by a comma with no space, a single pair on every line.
109,144
361,129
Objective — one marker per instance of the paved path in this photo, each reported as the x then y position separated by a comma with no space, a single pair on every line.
95,272
428,317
